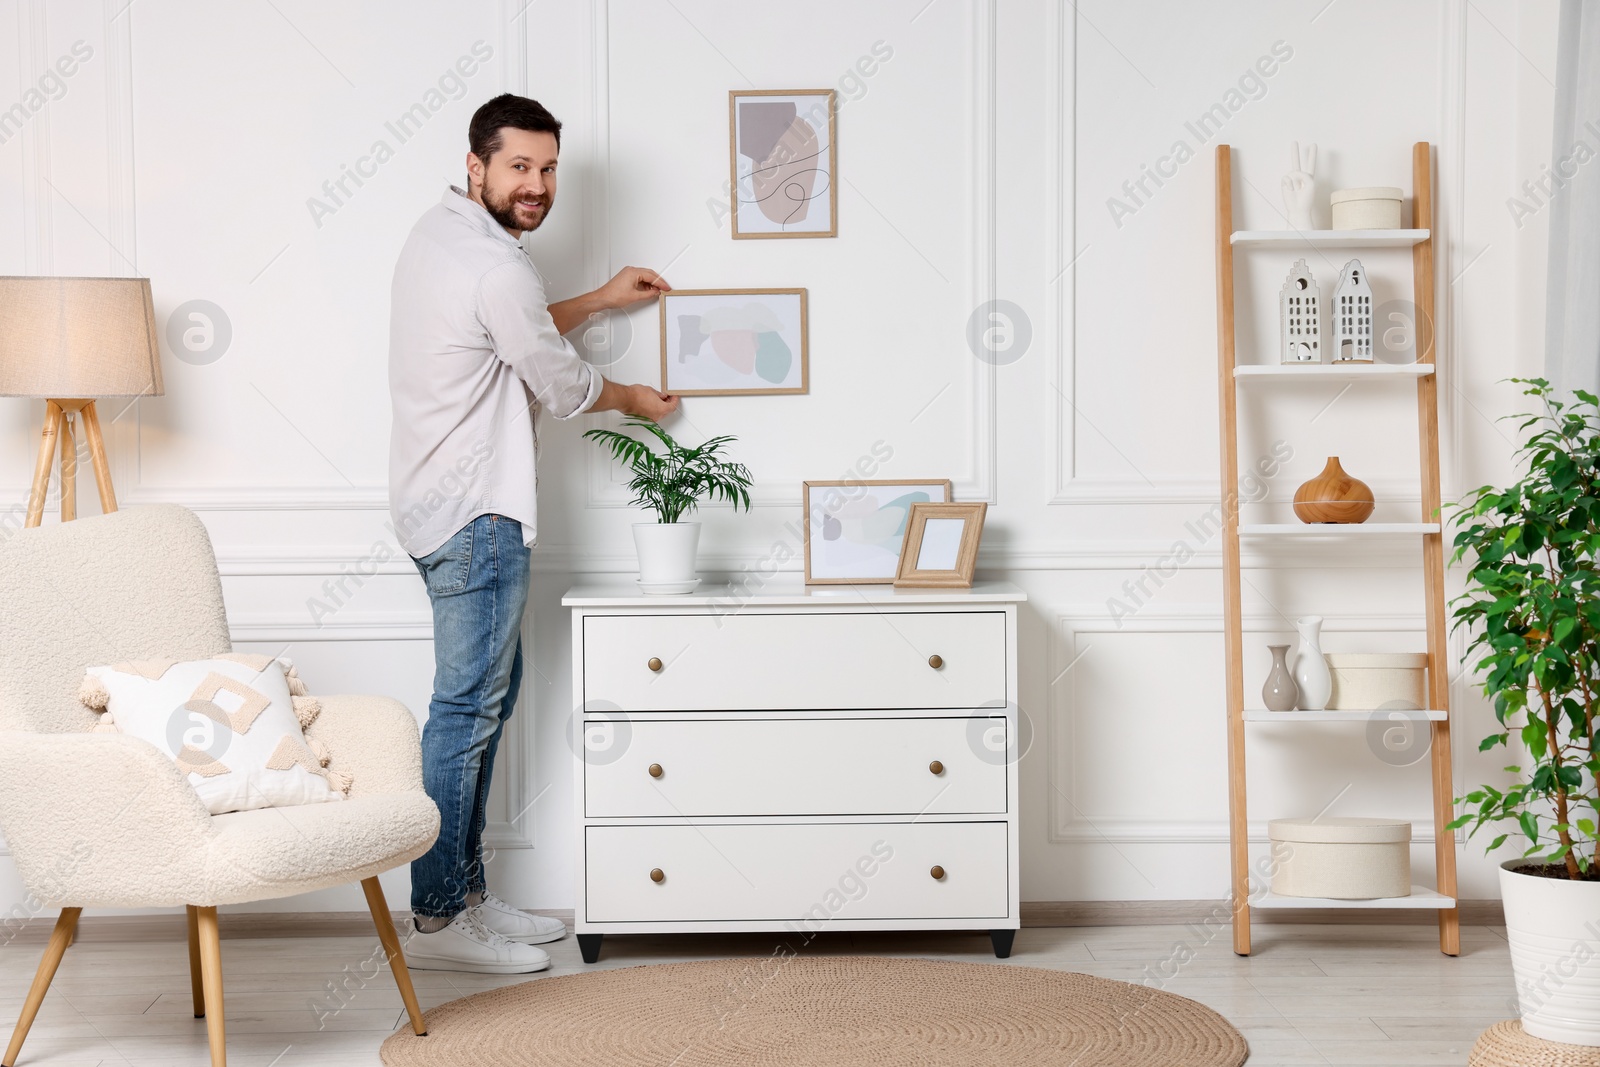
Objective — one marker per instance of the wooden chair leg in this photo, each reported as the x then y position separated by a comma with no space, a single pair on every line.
391,946
211,976
196,980
59,939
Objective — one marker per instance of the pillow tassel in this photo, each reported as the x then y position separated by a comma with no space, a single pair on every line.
92,693
306,709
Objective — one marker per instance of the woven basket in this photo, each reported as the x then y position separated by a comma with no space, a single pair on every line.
1505,1045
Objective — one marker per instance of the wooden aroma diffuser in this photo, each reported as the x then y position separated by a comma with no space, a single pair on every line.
1333,496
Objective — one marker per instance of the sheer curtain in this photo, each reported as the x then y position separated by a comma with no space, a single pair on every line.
1572,315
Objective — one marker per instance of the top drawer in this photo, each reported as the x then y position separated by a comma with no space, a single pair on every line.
814,660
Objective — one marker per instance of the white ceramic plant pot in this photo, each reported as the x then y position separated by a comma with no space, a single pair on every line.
1553,925
666,553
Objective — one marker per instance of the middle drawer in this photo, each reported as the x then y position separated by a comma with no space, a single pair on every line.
945,766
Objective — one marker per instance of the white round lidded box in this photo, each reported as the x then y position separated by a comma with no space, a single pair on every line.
1341,858
1375,207
1378,681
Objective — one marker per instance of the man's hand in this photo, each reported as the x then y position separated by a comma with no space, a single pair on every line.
649,404
631,285
640,400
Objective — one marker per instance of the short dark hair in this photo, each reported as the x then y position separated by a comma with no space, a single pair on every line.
507,109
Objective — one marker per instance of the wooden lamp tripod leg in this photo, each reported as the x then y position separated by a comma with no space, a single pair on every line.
41,470
69,468
97,455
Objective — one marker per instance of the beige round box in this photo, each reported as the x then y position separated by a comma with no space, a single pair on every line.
1378,681
1376,207
1341,858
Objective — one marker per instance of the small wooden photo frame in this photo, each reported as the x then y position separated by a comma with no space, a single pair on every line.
855,528
941,546
782,164
734,342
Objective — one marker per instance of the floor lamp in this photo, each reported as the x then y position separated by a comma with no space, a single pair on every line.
68,342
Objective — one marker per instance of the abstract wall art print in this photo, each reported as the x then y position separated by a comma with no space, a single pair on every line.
733,342
784,173
854,529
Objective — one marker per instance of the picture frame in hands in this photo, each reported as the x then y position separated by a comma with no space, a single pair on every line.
782,163
941,546
854,528
734,342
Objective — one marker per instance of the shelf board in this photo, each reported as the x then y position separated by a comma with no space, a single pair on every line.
1330,238
1263,715
1421,898
1333,370
1334,529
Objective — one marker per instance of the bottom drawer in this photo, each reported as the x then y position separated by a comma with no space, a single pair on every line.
849,871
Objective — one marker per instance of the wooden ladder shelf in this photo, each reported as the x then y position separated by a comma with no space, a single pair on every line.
1429,528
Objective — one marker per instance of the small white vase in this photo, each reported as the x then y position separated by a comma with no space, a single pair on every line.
667,551
1311,675
1553,924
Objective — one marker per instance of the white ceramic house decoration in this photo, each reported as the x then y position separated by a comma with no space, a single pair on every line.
1300,316
1352,316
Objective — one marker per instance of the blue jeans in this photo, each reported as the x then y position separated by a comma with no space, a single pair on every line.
478,584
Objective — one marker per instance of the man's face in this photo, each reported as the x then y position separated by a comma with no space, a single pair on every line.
518,184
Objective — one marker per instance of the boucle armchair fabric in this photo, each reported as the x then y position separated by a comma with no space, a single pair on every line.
136,584
108,820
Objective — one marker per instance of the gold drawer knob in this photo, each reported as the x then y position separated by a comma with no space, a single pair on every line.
654,664
657,875
937,872
935,767
936,661
655,770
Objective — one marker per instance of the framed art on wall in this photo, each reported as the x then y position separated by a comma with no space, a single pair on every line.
854,529
733,342
781,155
941,545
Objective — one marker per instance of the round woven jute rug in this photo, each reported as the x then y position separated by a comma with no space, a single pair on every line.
823,1012
1508,1045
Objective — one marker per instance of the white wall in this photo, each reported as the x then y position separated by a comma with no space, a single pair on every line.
976,163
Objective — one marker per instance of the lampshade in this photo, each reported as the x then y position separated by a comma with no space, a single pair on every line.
78,337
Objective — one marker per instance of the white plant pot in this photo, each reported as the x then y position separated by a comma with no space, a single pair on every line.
666,552
1553,925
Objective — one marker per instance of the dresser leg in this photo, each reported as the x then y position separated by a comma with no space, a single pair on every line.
1002,942
589,945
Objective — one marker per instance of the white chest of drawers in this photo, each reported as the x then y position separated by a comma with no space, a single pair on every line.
796,760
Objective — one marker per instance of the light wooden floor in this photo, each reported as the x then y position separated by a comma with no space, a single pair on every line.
1311,994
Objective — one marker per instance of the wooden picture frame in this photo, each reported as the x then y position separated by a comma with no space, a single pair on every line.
743,360
859,508
791,183
916,571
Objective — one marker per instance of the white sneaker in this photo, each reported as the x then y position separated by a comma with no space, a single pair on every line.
518,925
468,945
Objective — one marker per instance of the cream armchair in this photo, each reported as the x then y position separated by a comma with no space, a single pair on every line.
106,820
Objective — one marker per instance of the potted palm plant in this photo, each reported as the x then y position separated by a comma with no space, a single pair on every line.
1532,608
672,483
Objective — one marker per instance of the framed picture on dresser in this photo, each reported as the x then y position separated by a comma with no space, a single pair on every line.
854,528
941,546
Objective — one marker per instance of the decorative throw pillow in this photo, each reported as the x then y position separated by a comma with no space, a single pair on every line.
233,724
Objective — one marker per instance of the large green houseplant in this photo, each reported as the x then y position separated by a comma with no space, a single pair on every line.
1532,610
672,483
